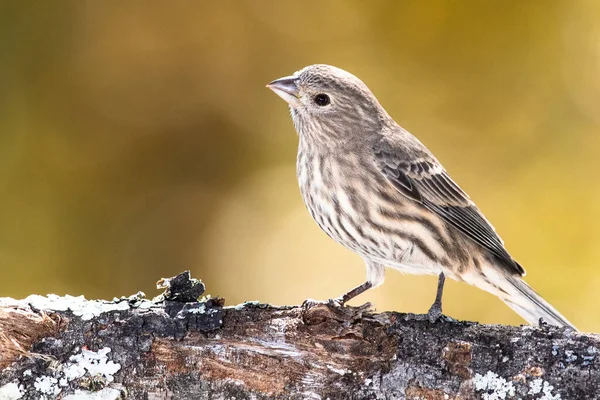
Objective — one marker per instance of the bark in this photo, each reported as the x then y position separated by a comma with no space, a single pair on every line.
174,347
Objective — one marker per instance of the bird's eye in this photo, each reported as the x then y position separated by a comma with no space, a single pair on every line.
322,99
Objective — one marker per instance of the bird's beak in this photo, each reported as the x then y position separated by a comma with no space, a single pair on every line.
287,89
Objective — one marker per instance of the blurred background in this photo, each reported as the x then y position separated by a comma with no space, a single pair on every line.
137,140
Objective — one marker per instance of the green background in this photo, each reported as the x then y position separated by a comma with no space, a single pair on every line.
137,140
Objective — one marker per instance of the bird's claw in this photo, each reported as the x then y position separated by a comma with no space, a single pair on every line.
335,302
318,310
435,313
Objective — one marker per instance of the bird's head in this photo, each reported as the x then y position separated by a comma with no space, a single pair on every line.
329,104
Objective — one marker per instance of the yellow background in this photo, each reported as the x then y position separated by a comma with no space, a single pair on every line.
137,140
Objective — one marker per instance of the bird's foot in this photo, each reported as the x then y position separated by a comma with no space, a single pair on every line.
335,302
315,311
433,315
435,312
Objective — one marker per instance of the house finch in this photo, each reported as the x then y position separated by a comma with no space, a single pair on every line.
374,188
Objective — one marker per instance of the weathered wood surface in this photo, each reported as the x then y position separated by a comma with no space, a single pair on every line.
176,348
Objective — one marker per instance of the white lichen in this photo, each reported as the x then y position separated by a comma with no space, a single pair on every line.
197,308
78,305
535,386
201,309
104,394
11,391
538,386
145,304
47,385
93,363
547,392
494,386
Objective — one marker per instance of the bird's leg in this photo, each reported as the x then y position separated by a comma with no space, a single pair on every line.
340,301
375,277
318,311
349,295
435,311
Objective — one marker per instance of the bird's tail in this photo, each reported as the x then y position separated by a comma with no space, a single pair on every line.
519,296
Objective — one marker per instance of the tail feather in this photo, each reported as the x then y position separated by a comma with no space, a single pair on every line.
531,306
518,295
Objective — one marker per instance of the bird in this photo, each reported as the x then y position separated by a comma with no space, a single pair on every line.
374,188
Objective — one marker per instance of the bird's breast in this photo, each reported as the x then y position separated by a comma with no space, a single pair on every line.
340,195
352,202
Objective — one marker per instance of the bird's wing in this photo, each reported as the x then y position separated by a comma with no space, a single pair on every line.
425,181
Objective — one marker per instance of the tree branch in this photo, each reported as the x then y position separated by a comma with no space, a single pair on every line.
174,347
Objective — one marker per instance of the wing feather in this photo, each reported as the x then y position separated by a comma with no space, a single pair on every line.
425,181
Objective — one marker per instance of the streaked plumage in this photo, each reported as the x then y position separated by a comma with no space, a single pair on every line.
374,188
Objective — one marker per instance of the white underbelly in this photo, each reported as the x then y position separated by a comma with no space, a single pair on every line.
427,267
